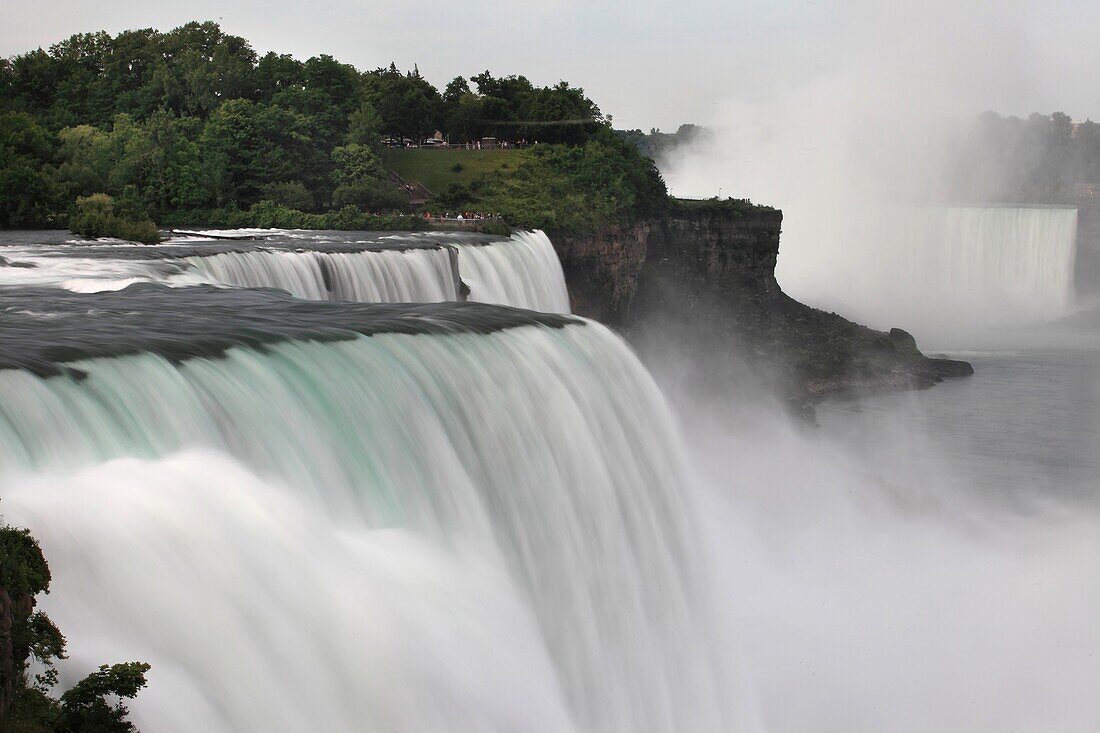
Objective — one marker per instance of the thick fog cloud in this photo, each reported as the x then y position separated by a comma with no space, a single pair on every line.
861,121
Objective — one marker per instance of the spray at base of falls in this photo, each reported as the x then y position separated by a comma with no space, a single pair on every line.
462,531
878,584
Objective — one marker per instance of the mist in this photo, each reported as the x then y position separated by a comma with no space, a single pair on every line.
854,134
872,585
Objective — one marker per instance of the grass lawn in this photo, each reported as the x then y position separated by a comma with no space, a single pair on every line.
436,168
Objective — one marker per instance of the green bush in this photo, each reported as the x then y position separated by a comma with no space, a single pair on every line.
457,196
96,216
496,227
270,215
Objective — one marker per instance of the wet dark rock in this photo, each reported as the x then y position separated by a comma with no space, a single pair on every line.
701,280
44,330
5,262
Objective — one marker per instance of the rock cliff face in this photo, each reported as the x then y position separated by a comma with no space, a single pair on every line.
1087,262
702,277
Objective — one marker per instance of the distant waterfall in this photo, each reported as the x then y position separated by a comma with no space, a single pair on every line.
522,271
371,276
1022,256
942,272
402,532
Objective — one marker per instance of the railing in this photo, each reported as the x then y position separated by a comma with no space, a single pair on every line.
471,223
476,145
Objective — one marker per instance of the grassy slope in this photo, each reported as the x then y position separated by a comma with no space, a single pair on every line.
435,168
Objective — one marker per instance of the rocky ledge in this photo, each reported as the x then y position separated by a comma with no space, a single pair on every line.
702,277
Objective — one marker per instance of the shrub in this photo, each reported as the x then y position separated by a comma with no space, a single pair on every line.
457,196
270,215
96,216
496,227
371,195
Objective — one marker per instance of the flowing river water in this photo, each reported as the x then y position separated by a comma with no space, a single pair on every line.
314,514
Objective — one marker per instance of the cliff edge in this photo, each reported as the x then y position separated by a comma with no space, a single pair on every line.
702,277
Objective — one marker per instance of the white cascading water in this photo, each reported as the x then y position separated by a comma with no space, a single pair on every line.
1014,254
967,268
472,532
522,271
382,276
1012,261
89,274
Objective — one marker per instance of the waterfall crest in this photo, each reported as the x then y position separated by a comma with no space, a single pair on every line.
521,271
421,275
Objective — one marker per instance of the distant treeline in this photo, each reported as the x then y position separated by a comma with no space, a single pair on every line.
1041,159
193,125
657,145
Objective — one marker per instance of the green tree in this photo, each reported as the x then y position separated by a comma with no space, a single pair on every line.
455,90
249,145
26,635
276,73
559,114
365,126
29,192
356,163
467,122
291,194
85,707
86,159
408,105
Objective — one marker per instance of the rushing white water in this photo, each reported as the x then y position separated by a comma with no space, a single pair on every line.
1023,256
383,276
522,271
398,532
82,274
941,272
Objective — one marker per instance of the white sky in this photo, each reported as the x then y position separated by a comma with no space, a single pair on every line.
651,62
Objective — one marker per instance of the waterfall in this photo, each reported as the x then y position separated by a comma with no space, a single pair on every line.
522,271
952,272
421,275
1023,257
466,529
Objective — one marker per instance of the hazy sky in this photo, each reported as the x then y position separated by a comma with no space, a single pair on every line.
649,62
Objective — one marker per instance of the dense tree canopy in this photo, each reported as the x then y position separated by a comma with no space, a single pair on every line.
178,125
